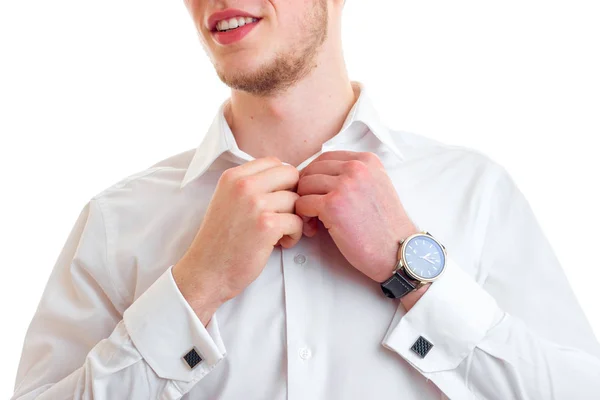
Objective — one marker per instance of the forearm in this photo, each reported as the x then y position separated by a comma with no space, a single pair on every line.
201,293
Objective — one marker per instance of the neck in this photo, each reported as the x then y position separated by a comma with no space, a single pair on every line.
293,125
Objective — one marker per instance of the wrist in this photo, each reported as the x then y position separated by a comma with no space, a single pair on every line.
196,291
390,255
409,300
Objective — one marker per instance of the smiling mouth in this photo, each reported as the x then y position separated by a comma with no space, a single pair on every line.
234,23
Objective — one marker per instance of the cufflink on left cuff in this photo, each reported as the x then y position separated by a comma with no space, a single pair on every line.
192,358
422,346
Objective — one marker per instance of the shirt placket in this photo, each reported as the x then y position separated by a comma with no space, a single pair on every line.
300,345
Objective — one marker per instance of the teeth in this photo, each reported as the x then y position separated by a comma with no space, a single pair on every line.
233,23
223,25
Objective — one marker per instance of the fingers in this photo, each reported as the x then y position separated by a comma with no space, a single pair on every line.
344,155
281,177
326,167
310,205
317,184
310,228
282,201
255,166
366,157
290,226
291,198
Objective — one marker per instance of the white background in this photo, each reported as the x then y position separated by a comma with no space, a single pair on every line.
91,92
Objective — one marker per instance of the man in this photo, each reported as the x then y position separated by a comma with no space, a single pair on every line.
305,251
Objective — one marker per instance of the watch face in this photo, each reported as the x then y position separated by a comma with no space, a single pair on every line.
424,257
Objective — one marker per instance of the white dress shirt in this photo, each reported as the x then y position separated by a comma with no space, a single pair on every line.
503,320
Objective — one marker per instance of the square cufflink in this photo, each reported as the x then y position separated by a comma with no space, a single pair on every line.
422,346
192,358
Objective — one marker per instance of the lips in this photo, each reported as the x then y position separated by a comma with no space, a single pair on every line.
211,23
231,36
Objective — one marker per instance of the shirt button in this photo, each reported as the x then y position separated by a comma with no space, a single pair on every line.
304,353
299,259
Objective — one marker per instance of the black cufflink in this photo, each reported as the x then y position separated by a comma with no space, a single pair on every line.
422,346
192,358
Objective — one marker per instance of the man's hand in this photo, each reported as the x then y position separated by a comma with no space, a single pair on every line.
354,198
251,211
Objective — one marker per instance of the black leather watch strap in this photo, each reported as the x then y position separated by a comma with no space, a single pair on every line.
397,286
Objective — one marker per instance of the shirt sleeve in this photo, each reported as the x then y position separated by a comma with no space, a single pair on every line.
521,334
84,342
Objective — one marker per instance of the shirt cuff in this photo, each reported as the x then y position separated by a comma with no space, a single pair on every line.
164,328
454,315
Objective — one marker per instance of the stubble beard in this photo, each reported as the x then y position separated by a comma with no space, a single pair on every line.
286,68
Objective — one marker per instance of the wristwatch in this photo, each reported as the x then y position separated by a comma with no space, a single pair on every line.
421,259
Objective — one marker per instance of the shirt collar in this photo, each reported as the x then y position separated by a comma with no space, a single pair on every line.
219,138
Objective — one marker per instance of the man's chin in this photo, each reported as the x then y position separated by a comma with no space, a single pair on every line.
241,64
269,77
247,79
238,79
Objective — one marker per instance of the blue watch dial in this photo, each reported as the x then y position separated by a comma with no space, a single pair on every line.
424,257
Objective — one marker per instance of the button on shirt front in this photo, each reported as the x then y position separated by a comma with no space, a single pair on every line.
304,353
300,259
501,323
